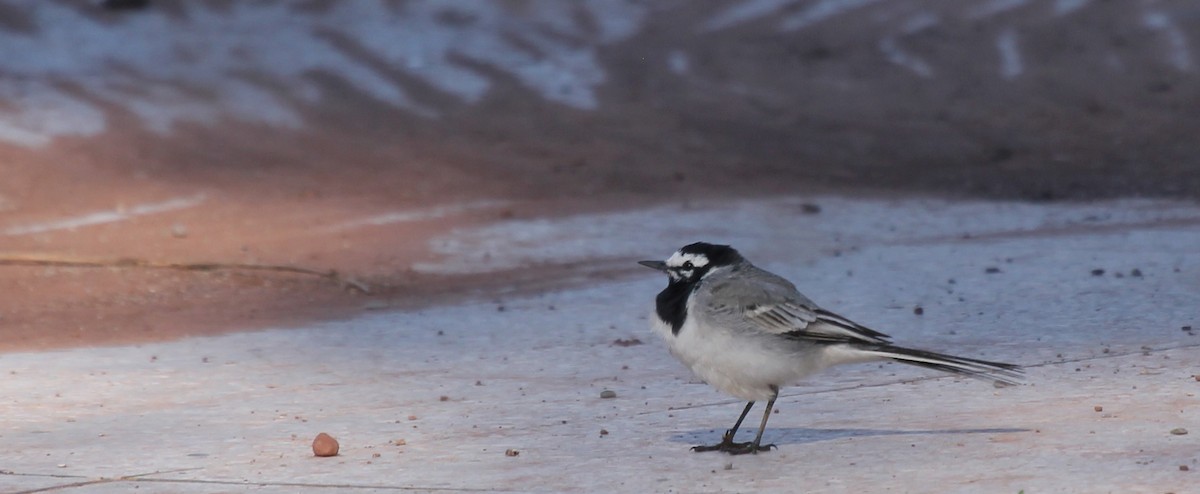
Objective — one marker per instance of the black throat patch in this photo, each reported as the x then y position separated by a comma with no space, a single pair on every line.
671,303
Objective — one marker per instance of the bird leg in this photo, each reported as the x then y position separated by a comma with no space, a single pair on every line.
728,446
755,447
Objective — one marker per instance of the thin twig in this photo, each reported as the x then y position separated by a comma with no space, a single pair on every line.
125,262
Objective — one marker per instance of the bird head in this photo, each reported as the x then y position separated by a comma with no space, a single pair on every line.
690,263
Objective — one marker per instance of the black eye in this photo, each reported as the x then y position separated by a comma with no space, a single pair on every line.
688,265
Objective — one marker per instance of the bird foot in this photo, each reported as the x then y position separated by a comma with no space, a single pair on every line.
735,448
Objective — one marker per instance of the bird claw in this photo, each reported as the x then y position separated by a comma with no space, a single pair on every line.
735,448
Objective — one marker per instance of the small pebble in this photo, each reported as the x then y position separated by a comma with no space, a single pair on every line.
443,398
325,445
627,342
1185,328
1097,272
1098,408
603,432
1136,273
511,452
992,270
1183,468
608,393
1178,431
810,208
729,466
918,310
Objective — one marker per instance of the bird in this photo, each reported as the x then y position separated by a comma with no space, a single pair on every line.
749,332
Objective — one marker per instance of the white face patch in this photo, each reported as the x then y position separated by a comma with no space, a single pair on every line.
682,266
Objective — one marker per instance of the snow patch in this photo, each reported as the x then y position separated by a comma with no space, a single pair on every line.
1010,55
678,62
207,62
744,12
994,7
919,22
821,11
38,112
1178,54
897,55
1064,7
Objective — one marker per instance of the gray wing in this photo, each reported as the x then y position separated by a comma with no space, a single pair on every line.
759,300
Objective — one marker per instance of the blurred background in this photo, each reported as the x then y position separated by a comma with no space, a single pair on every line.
343,135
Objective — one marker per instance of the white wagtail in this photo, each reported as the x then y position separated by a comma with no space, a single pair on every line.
749,332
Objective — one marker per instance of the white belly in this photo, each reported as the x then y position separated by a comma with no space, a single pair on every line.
748,367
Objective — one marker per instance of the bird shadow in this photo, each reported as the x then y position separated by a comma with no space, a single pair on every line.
805,435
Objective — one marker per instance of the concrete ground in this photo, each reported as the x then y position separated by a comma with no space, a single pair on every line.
1097,300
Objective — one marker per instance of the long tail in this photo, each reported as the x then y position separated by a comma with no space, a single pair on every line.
978,369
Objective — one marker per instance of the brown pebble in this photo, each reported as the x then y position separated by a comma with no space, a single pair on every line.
1196,377
444,398
603,432
511,452
918,310
1178,431
399,442
412,417
376,455
1098,408
1183,468
608,393
325,445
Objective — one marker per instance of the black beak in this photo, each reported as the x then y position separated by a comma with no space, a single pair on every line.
659,265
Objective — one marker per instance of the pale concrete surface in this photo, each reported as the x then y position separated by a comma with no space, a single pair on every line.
462,384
